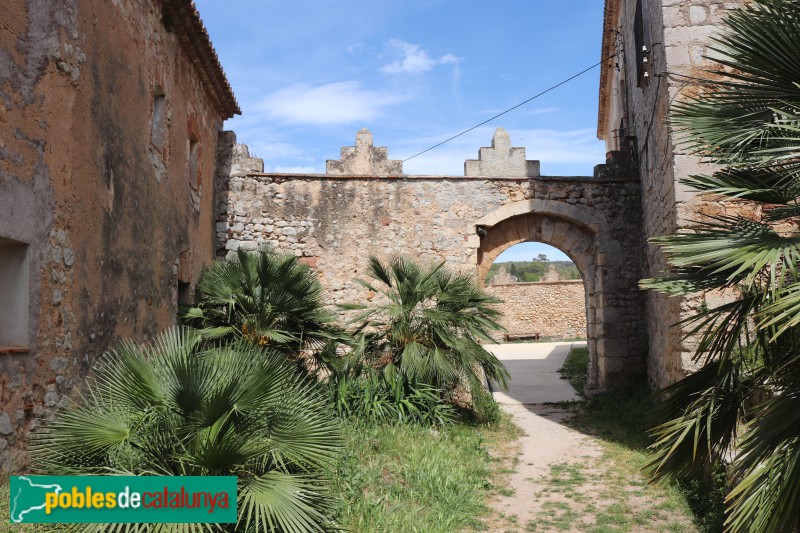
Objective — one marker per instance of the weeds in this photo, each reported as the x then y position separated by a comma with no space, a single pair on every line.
622,418
574,368
404,478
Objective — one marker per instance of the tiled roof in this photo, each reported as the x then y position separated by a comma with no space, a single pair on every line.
606,50
187,25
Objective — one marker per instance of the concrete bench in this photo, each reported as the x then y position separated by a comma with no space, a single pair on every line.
520,336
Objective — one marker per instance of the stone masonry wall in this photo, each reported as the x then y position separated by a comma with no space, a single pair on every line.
335,222
555,309
677,34
110,217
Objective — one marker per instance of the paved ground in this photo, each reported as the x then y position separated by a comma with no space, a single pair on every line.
547,441
534,372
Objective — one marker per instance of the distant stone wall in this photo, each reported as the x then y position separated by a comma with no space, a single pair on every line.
550,309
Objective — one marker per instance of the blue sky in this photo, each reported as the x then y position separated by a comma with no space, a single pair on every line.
308,74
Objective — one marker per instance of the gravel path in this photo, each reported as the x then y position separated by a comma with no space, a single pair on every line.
561,479
535,381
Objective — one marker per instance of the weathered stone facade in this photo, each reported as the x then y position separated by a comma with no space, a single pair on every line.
636,89
552,309
334,222
108,136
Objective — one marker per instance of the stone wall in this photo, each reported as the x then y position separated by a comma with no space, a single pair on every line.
555,309
334,222
95,184
633,117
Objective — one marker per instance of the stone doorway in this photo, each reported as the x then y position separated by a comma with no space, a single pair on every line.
614,335
543,293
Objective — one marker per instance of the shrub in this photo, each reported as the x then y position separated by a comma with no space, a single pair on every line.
266,298
428,326
374,397
177,407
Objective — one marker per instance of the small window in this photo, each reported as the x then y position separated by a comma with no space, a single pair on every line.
194,168
159,132
185,294
14,287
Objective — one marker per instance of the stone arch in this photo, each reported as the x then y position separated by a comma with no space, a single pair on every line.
608,265
579,214
576,239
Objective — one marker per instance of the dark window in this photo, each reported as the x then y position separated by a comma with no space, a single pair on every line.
193,167
159,133
185,295
14,287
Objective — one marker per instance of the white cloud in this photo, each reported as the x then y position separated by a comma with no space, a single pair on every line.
413,59
276,150
543,111
357,48
334,103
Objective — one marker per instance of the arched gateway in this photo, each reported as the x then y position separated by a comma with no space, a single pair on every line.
364,206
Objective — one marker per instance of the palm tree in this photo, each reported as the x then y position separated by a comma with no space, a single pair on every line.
174,407
265,297
429,325
743,405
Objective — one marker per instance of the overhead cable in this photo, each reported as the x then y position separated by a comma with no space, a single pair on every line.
584,71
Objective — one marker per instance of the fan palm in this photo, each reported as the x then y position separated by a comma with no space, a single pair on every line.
429,325
176,407
264,297
746,396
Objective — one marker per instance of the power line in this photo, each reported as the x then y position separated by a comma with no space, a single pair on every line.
584,71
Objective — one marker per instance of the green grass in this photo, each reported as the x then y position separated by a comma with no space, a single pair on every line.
408,479
621,419
574,368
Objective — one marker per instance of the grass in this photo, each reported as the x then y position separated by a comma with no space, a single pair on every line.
574,368
620,419
402,478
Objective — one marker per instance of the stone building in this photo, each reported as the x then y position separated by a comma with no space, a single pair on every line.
653,51
110,114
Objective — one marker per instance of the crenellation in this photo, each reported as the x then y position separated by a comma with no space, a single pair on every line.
364,159
501,160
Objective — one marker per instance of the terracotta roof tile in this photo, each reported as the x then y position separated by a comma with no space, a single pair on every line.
194,38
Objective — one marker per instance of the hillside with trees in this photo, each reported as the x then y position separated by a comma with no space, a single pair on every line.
533,270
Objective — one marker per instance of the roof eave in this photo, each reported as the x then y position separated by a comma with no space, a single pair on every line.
610,14
194,39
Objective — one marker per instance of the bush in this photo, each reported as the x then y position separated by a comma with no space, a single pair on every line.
177,407
428,327
264,297
376,397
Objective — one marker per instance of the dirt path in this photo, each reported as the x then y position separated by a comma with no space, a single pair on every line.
559,478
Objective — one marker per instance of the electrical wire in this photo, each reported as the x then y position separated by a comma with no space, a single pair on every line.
584,71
